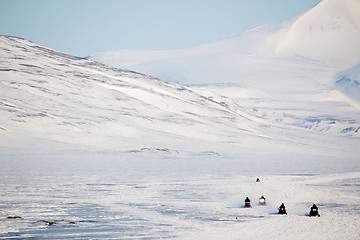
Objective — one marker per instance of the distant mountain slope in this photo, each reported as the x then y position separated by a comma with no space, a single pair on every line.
348,81
54,106
53,96
295,64
330,33
305,50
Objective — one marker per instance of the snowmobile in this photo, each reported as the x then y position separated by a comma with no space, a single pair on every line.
314,211
247,203
282,209
262,200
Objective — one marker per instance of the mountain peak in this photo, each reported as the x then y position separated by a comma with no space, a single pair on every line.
329,32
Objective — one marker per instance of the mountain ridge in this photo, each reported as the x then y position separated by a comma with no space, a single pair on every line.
257,53
328,32
54,105
103,97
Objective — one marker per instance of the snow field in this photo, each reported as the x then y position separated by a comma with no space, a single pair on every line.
181,205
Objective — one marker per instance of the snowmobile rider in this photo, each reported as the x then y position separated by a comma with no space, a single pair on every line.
247,202
314,211
282,209
262,200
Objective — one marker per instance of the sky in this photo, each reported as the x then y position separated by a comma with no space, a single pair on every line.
85,27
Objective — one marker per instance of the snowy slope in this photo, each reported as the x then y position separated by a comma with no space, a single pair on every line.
327,34
348,81
293,63
330,33
45,94
291,56
53,102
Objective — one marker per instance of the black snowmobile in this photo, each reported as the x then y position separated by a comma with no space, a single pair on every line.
314,211
282,209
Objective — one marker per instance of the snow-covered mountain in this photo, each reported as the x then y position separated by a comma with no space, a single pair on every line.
329,33
53,104
292,66
48,95
289,57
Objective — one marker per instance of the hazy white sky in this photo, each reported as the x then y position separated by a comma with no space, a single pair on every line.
84,27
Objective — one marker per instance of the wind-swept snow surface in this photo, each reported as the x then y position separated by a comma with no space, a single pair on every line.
120,204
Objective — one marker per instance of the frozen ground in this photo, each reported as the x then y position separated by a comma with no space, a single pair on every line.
167,201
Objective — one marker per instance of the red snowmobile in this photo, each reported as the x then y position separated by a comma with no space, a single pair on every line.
247,203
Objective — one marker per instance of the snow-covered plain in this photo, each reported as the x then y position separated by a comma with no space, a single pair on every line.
152,205
92,151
